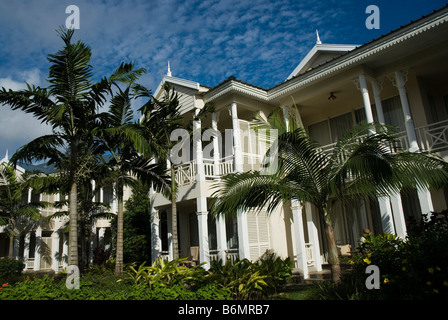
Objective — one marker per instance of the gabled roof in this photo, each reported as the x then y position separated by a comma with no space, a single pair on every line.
177,81
320,54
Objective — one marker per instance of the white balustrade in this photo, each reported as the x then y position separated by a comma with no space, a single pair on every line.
309,254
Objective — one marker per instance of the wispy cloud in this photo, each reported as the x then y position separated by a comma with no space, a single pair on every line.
16,127
258,41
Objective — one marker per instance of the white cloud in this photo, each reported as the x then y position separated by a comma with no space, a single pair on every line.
17,127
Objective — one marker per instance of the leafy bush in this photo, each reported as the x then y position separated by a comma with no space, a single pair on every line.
253,280
167,273
163,280
106,288
413,269
10,269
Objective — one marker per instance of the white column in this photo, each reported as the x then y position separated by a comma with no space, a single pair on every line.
26,248
55,251
378,104
197,145
424,197
299,235
398,214
386,212
37,249
202,214
400,82
216,153
243,238
237,152
365,98
387,219
221,237
313,235
101,233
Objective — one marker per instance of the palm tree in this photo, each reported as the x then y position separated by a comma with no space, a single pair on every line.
70,105
129,159
360,165
161,118
13,208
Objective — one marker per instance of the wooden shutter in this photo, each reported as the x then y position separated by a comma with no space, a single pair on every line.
258,233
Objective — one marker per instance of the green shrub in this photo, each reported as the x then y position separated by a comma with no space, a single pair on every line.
413,269
167,273
10,269
252,280
107,288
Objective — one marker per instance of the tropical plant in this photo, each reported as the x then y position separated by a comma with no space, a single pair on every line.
130,156
13,208
252,279
167,273
136,226
70,106
360,165
161,117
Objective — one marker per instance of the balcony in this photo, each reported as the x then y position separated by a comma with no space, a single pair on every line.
432,137
185,173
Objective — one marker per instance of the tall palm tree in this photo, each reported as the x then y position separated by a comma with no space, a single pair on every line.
70,106
358,166
129,159
13,208
166,117
161,117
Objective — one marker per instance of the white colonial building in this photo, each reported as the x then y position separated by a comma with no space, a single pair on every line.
399,79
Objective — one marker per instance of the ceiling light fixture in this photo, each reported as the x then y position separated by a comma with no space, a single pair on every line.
332,97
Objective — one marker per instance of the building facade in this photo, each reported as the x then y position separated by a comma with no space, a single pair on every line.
399,79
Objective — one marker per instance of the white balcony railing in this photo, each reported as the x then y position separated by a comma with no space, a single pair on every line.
433,137
185,173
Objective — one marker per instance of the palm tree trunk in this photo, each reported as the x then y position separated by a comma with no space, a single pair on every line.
119,252
73,226
174,215
11,245
333,257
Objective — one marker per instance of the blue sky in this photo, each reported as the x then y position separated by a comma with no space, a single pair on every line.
257,41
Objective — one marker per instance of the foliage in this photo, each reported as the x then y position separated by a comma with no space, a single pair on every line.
167,273
137,227
252,280
106,287
415,268
10,269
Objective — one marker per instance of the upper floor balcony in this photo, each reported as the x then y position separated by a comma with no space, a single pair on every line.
432,138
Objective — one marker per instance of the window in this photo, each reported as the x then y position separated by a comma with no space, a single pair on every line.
320,133
393,113
339,125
